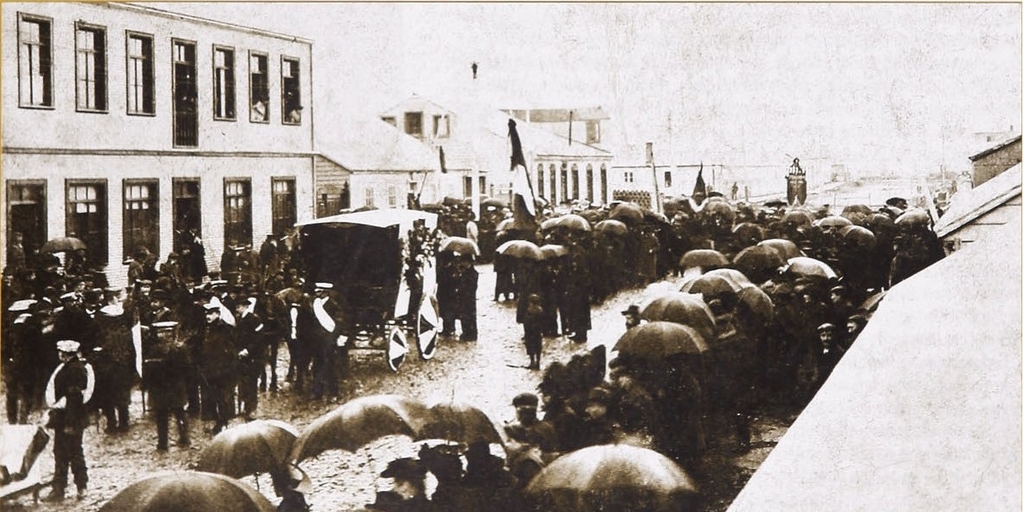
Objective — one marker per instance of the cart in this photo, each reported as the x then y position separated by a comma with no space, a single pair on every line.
365,255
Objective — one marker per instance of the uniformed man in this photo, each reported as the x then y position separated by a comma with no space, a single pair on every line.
324,330
67,392
164,375
218,367
249,331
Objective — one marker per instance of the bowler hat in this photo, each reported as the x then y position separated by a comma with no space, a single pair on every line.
633,309
525,400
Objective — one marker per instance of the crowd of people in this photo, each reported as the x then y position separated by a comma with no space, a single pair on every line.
200,342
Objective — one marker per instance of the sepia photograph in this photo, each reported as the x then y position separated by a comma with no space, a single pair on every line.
497,256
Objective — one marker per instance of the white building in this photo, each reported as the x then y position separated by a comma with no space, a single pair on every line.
125,124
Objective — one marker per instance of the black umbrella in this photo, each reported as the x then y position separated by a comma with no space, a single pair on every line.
681,308
62,244
659,340
704,258
627,212
521,249
359,421
759,262
613,477
188,490
259,446
459,246
612,227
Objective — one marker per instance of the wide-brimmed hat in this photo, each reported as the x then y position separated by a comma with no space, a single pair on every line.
525,400
633,309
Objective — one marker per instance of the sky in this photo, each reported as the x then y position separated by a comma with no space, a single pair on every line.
897,87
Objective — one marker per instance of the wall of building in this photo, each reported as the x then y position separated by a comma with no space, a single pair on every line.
585,186
114,170
63,127
988,166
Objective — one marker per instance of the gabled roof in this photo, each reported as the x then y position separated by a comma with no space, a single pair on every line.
373,145
997,147
968,205
480,129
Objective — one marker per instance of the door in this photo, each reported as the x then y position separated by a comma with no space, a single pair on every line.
186,212
27,215
87,219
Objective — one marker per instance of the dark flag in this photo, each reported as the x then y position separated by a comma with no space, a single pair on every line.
524,211
440,150
700,190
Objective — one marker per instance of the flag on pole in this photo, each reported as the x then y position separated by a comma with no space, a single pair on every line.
700,189
524,211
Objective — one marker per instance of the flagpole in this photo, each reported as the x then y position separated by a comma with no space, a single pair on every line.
654,174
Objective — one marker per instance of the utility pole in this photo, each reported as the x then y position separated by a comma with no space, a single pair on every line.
654,174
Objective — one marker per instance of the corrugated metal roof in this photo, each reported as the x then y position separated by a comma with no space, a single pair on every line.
924,411
970,204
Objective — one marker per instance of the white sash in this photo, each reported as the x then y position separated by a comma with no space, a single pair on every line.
321,315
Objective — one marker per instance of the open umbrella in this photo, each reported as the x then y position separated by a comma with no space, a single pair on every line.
573,222
858,237
758,262
756,304
797,217
188,490
62,244
358,422
256,447
551,251
704,258
858,208
627,213
459,246
720,208
459,422
659,339
804,266
833,221
738,279
612,227
494,202
505,225
914,217
521,249
879,221
748,233
711,286
681,308
549,224
613,477
786,248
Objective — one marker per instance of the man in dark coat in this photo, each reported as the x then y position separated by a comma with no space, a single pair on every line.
164,375
251,348
468,279
447,293
114,362
218,367
325,327
70,387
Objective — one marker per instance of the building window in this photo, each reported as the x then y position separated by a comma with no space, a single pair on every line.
604,184
291,97
389,120
283,191
627,176
553,177
86,218
668,179
575,182
188,225
540,180
259,89
35,67
565,182
414,123
26,216
467,186
91,68
237,213
223,83
186,118
368,199
139,72
590,183
593,132
141,217
442,126
392,196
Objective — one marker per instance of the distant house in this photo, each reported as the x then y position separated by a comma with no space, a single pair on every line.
976,214
370,164
996,159
475,143
578,124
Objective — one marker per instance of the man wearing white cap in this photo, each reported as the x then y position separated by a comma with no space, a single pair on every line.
67,392
324,337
